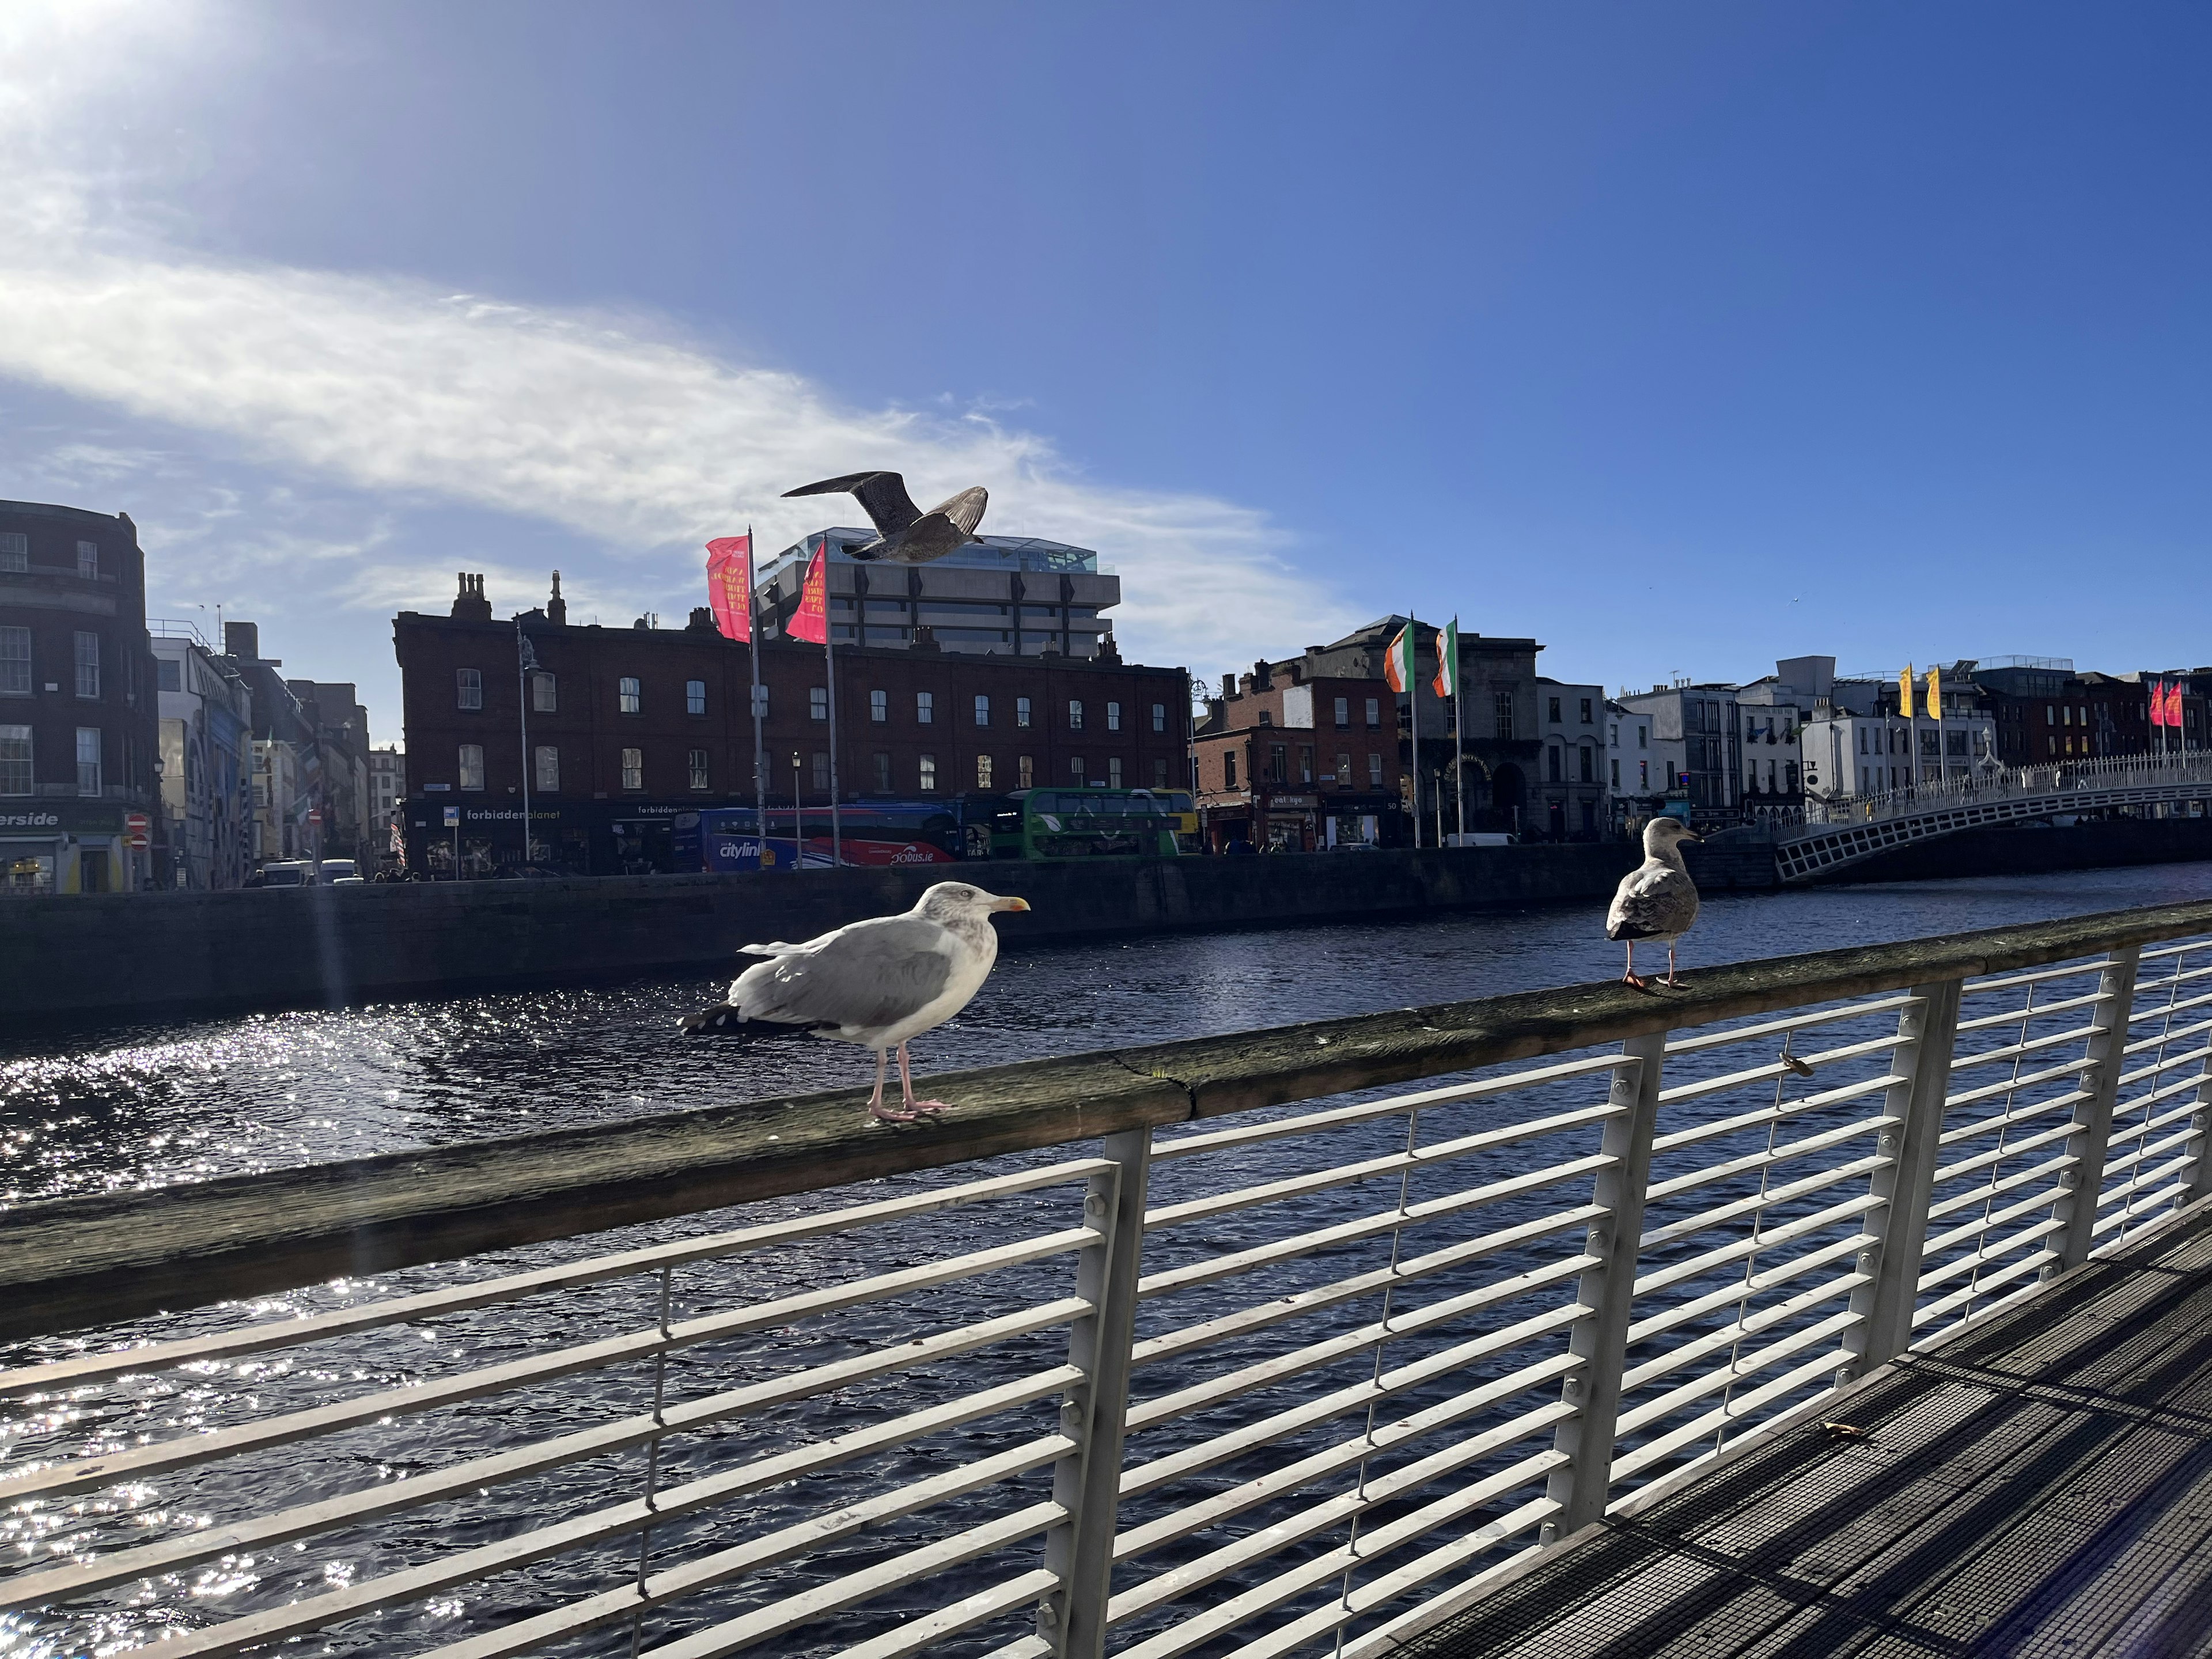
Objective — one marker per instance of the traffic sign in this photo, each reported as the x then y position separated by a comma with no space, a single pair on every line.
138,829
315,817
453,817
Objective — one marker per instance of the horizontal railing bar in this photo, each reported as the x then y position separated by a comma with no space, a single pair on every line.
414,1491
2161,1041
2013,1085
183,1451
1751,1203
317,1328
2181,1086
1275,1309
2127,1190
2152,952
2145,1148
412,1583
2144,1203
1720,1255
1374,1543
2136,1127
1966,1060
1752,1324
2003,1250
1435,1562
2032,1263
1999,1154
1167,1469
1685,1313
2018,1016
2003,1122
1771,1070
1975,987
1629,1465
2167,1011
1690,1045
67,1263
1995,1188
909,1566
919,1635
1397,1106
1263,1373
1172,1280
1768,1158
1664,1405
1347,1175
1980,1227
1029,1647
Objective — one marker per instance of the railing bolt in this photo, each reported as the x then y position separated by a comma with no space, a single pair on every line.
1595,1241
1548,1533
1048,1614
1094,1204
1866,1258
1574,1387
1889,1143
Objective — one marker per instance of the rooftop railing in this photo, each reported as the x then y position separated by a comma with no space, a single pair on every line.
1223,1342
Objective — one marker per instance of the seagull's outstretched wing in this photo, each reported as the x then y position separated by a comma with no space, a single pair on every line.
965,510
871,974
882,495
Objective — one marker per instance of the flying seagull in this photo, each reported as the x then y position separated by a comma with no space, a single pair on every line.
1656,901
876,983
904,534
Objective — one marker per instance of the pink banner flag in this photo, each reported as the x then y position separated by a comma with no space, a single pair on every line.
811,620
730,584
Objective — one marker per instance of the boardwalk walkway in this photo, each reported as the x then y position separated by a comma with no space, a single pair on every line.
2041,1484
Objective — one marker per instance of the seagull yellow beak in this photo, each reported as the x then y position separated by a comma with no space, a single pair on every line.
1010,904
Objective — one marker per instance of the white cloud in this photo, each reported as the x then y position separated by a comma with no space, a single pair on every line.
615,428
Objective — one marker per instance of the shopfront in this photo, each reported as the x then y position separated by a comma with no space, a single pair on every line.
66,847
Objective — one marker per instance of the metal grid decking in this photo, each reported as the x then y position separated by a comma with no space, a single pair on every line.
2037,1485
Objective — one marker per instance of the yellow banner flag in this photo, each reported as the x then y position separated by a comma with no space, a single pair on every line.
1935,693
1904,693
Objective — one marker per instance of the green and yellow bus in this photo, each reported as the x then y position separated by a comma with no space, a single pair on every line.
1074,823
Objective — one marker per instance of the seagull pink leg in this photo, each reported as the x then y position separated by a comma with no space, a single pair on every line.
1630,978
1671,980
876,1100
906,1088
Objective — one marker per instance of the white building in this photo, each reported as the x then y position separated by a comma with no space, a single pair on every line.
1869,750
1696,744
1771,714
207,762
1631,776
1568,796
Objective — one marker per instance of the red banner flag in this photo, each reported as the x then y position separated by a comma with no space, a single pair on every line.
2158,702
811,620
730,584
2173,705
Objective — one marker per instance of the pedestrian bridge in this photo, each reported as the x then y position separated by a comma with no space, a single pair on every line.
1644,1322
1839,833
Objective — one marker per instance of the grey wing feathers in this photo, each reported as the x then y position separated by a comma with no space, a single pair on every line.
871,974
882,495
1655,901
965,510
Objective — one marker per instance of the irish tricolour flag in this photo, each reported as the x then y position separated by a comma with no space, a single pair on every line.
1398,660
1446,684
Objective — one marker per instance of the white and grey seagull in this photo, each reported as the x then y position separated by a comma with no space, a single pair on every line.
877,983
1656,901
904,533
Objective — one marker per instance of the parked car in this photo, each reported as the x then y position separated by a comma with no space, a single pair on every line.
335,871
285,872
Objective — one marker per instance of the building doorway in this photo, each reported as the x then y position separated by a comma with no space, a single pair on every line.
91,871
1509,793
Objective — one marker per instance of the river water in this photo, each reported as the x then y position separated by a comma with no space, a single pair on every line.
135,1107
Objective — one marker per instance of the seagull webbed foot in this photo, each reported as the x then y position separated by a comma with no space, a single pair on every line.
884,1113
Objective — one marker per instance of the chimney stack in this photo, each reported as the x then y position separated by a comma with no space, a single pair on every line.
242,640
556,608
470,604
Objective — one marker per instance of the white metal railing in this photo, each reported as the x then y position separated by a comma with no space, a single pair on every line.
2052,778
1298,1380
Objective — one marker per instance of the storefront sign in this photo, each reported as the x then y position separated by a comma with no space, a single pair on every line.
63,817
1292,803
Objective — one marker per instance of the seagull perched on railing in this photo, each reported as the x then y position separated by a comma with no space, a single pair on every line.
904,533
1656,901
877,983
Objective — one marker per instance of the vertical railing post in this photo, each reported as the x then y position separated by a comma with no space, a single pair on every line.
2092,1115
1087,1483
2198,1181
1608,1289
1927,1036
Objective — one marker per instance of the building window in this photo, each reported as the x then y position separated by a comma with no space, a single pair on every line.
695,696
928,775
1113,771
818,702
879,707
542,698
1374,715
1160,717
632,769
15,662
1022,714
629,698
468,688
1374,771
1344,771
1305,764
1589,764
14,550
471,766
1228,769
549,768
1616,774
1552,710
698,768
1553,771
1278,763
983,710
87,560
1160,772
14,760
1642,736
1024,770
1113,717
1074,716
820,767
1502,701
982,771
925,708
1586,712
87,664
1343,713
883,766
1643,775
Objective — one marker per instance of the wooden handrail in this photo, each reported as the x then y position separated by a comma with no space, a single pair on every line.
70,1263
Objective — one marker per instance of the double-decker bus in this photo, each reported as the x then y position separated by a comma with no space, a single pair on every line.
1062,823
1029,823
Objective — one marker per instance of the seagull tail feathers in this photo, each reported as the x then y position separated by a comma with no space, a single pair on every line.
726,1020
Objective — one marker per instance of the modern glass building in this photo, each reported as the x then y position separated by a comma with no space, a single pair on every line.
1002,596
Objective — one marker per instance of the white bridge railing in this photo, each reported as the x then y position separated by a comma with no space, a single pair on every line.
1297,1379
2056,778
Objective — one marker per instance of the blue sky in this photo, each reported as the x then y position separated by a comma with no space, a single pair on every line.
1681,337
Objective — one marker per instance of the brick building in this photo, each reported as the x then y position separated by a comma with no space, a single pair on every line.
630,726
1316,751
79,717
2045,711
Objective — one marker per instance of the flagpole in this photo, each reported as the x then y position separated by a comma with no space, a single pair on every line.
829,668
760,749
1459,738
1414,715
522,710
